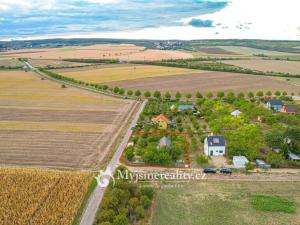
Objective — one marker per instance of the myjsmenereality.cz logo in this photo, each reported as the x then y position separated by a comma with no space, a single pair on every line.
105,177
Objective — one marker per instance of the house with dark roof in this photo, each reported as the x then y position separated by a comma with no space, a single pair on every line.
289,109
214,146
274,104
164,142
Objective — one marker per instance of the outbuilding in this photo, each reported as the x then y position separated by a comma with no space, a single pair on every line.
236,113
240,161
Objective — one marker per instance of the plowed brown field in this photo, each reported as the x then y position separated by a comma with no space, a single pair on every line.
42,124
204,82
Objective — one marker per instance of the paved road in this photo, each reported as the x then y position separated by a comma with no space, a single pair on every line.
95,199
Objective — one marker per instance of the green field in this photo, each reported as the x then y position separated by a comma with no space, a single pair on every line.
227,203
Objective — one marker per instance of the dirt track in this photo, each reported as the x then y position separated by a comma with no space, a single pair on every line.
211,81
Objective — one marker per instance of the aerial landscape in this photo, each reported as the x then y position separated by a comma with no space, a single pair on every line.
149,112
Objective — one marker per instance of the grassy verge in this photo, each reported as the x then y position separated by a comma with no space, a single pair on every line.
272,204
79,213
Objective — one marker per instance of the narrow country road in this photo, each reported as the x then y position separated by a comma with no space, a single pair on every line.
95,199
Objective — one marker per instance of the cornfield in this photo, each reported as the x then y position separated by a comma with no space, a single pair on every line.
37,197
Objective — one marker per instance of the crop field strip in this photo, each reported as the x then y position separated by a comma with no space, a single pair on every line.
37,129
291,67
205,82
126,73
106,51
55,201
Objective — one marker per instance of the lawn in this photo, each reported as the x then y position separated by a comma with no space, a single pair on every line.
224,203
126,73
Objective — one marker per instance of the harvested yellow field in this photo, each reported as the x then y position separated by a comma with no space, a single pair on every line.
18,88
42,124
54,126
127,72
101,51
41,197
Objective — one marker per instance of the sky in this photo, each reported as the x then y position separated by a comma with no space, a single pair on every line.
157,19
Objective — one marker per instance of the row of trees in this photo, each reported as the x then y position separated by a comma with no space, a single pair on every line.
167,95
214,66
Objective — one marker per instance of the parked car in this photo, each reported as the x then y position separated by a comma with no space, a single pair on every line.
210,170
226,170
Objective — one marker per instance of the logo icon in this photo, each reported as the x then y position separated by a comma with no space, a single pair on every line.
104,177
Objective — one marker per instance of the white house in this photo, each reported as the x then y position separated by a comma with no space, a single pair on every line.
214,146
239,161
236,113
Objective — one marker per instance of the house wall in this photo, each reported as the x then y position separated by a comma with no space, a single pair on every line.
216,150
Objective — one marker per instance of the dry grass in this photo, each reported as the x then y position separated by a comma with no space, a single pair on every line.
43,124
126,73
105,51
41,197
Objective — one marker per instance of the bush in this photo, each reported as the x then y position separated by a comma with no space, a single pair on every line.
249,166
145,201
201,160
140,212
129,154
120,220
275,160
148,191
107,215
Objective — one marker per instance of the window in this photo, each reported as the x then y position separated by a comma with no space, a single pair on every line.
220,151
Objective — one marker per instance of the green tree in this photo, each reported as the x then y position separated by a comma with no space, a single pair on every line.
284,93
129,92
199,95
116,90
277,93
241,95
188,96
220,94
250,94
140,212
137,93
121,91
246,140
260,94
145,201
269,93
178,95
105,87
157,94
106,215
209,95
167,95
120,220
147,94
